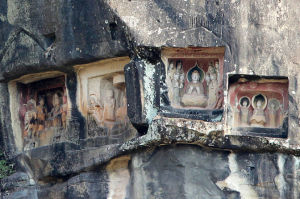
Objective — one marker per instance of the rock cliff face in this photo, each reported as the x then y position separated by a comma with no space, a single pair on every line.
93,99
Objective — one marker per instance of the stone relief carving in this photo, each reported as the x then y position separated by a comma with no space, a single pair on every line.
244,113
261,103
44,115
193,83
176,82
259,112
102,101
107,109
194,94
95,112
212,81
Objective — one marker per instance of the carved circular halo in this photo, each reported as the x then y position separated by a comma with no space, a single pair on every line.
261,97
245,98
195,68
275,102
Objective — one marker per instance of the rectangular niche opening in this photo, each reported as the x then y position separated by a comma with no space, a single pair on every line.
41,109
103,102
194,82
257,105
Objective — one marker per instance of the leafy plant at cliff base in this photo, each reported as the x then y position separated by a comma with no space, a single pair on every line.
6,168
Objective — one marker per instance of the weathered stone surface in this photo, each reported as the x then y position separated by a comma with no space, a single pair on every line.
178,171
143,87
44,35
18,185
191,172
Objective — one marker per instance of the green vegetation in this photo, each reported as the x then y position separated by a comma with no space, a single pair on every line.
6,168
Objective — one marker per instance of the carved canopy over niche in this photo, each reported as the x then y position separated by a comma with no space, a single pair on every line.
258,105
194,80
43,110
103,101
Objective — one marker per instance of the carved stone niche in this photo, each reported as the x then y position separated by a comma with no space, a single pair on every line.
39,109
102,101
257,105
193,83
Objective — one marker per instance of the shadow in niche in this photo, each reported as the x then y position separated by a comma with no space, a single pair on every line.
113,30
77,121
50,38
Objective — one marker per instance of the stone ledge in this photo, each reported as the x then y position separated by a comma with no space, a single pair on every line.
165,131
63,160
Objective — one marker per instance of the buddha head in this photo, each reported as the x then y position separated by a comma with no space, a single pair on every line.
244,102
259,103
195,76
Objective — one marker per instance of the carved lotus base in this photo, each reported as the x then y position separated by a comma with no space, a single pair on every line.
194,100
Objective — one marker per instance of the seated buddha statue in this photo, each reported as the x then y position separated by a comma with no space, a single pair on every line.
258,119
194,94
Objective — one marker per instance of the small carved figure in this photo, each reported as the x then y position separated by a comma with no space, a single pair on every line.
41,114
273,107
122,111
244,104
55,114
109,106
30,118
95,113
258,119
194,95
178,83
170,78
195,87
212,82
